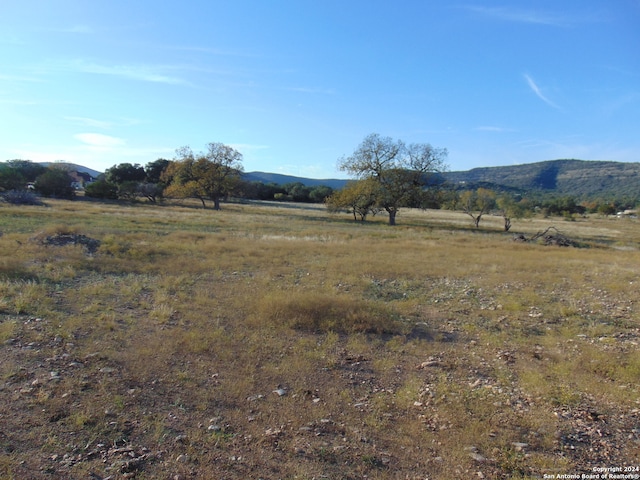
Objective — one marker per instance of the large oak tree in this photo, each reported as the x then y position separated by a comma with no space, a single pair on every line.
401,171
210,175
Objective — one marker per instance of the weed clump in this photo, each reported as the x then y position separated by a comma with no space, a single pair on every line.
321,313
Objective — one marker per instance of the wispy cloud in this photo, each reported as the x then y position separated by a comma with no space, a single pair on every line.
534,87
14,101
89,122
104,124
538,17
213,51
145,73
490,128
322,91
99,140
18,78
83,29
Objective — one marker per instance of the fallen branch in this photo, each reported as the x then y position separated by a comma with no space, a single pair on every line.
550,236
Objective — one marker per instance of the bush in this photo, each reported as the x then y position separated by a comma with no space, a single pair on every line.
101,189
21,197
56,183
321,313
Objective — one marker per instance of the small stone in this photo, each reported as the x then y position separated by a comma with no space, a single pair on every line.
280,391
519,446
477,457
182,458
214,428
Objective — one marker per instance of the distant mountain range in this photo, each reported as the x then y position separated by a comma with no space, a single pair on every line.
577,178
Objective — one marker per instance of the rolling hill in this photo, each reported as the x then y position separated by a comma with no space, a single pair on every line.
581,179
280,179
578,178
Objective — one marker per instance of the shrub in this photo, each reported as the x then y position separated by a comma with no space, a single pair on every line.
56,183
101,189
21,197
321,313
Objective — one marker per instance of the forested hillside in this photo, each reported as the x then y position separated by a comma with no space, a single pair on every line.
578,178
582,179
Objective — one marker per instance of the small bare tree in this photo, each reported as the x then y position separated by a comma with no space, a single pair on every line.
477,203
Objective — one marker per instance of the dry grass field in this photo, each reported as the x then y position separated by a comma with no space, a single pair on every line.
280,342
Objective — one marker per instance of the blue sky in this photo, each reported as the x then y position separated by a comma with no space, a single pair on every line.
295,85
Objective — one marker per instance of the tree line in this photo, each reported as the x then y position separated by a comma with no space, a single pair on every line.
387,175
210,176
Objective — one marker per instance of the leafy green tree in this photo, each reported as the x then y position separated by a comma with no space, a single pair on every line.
101,189
320,193
153,170
128,190
210,175
11,178
259,190
125,172
476,203
296,192
510,208
359,197
562,206
28,169
400,171
607,209
55,182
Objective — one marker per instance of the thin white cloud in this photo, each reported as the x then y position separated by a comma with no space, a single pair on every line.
11,101
322,91
145,73
534,87
18,78
104,124
213,51
89,122
490,128
83,29
527,16
99,140
624,101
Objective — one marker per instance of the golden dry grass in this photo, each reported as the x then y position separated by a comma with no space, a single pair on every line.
428,350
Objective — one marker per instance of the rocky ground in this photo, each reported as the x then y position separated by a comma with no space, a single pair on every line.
50,430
